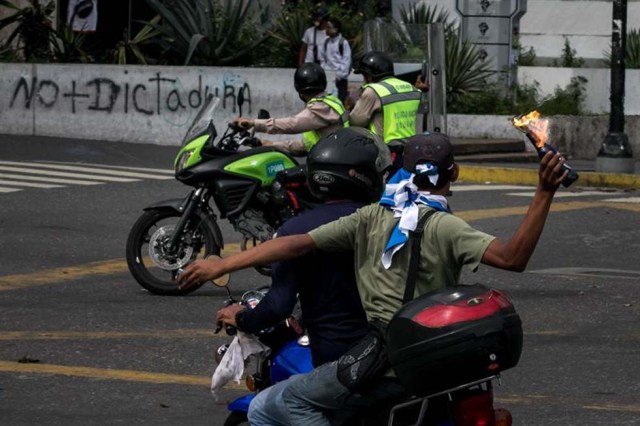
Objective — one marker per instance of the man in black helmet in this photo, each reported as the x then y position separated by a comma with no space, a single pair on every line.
345,170
323,115
381,254
387,105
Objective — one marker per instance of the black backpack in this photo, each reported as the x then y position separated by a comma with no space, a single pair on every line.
340,48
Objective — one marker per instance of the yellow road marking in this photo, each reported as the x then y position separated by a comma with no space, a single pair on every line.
534,399
614,407
514,176
82,335
68,273
472,215
181,379
18,281
110,374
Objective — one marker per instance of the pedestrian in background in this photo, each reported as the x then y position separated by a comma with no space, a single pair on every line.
337,56
314,37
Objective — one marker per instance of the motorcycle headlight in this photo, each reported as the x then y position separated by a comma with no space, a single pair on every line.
183,160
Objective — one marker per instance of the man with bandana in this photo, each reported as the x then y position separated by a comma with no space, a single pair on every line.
448,243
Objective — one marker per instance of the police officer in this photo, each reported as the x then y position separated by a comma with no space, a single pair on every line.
323,114
387,105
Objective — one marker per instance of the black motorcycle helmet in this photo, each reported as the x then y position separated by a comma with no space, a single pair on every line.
376,65
310,79
348,164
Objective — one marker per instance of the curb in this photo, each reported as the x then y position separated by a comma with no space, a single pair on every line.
517,176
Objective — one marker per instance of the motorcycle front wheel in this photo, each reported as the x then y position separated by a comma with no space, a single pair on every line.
153,267
236,418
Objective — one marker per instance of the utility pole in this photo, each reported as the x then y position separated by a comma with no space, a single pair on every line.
615,153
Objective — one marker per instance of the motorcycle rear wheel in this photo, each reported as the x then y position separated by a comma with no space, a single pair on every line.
236,418
143,243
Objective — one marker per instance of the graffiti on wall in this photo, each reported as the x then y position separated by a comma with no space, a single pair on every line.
160,94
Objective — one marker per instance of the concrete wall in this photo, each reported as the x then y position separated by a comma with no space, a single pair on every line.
586,23
597,87
129,103
578,137
156,104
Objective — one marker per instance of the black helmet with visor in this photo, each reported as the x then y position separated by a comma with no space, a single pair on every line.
348,164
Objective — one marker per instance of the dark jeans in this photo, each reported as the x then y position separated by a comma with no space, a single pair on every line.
319,399
343,89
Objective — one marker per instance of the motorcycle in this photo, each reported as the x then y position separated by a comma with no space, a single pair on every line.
289,353
255,188
468,404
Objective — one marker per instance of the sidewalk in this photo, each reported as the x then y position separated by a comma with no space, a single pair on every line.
527,174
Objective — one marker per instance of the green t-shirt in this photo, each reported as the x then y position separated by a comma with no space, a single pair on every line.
448,243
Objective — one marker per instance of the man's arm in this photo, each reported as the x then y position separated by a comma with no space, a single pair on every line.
268,252
302,53
293,147
362,112
515,253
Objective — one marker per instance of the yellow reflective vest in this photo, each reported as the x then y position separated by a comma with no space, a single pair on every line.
400,102
312,136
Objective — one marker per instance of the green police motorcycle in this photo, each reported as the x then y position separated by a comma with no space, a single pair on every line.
255,188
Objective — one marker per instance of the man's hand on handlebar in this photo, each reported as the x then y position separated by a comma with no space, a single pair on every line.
242,123
252,142
227,314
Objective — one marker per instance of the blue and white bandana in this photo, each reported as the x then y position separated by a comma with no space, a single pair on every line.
402,196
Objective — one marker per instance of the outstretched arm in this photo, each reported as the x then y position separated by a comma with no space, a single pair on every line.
515,253
268,252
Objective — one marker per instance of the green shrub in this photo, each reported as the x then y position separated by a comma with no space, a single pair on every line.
524,98
567,101
568,58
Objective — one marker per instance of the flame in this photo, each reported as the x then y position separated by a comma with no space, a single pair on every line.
534,126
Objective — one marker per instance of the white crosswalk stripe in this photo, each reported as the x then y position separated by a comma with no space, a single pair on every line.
462,187
92,170
562,194
624,200
16,176
528,191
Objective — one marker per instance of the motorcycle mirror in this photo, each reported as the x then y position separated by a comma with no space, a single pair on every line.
263,114
223,280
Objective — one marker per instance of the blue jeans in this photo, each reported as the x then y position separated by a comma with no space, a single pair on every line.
319,399
268,408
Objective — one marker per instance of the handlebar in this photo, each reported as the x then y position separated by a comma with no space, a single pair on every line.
236,136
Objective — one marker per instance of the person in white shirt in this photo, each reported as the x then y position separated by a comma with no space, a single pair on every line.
336,56
314,37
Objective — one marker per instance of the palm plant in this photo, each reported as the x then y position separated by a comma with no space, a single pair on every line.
67,44
129,51
425,14
208,32
632,51
32,30
467,73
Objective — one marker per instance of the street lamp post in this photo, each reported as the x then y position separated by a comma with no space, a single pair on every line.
615,153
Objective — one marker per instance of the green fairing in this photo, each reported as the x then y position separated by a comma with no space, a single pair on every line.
195,146
262,166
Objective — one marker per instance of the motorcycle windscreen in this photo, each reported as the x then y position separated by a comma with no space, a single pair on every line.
204,119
